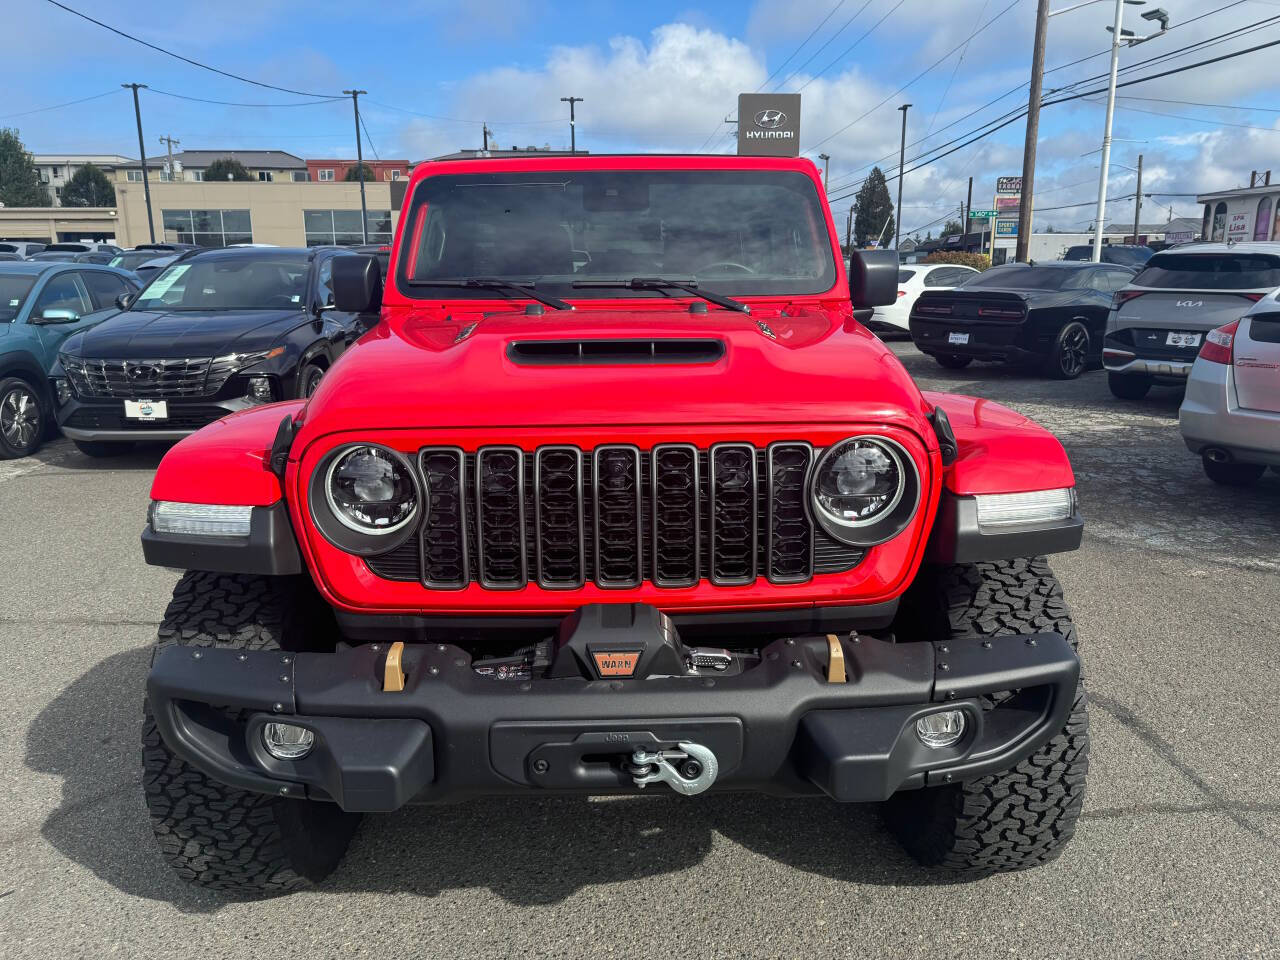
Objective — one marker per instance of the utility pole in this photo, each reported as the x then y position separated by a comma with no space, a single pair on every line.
169,142
485,133
1100,217
826,169
1033,133
573,130
1137,201
364,212
848,231
902,152
968,206
142,156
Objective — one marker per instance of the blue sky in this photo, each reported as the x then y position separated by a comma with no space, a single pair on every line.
662,77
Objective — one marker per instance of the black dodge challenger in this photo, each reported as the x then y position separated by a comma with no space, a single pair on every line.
215,332
1047,315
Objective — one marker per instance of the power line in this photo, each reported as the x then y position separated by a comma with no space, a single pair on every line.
821,24
231,103
370,139
843,27
1179,116
1193,103
432,116
59,106
855,43
952,79
178,56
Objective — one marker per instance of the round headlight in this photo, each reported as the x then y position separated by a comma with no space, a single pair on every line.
864,490
371,490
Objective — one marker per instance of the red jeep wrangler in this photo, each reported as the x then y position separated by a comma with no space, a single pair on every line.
619,496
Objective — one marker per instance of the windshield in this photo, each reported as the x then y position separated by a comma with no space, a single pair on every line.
272,282
736,232
13,293
1210,271
132,259
1128,256
1020,277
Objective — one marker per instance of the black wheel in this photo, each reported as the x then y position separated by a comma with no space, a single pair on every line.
1233,474
22,420
1129,386
1024,816
952,361
102,448
309,379
240,843
1069,356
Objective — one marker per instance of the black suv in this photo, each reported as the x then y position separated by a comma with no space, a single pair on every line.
1126,255
214,333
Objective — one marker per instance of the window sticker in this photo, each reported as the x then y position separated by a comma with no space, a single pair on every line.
162,284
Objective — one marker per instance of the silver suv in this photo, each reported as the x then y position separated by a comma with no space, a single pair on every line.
1159,320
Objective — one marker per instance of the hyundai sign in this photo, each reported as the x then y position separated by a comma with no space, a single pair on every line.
769,124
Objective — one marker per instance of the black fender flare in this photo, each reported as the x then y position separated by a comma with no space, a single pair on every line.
317,349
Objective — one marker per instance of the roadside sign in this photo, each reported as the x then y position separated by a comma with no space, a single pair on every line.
1008,204
982,214
769,124
1006,228
1008,185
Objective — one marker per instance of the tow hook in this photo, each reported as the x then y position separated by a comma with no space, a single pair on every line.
688,770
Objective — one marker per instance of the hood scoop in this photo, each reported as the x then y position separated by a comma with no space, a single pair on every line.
608,352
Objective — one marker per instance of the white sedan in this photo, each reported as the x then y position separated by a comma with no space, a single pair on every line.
913,280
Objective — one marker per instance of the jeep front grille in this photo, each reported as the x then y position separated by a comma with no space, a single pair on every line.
615,516
151,379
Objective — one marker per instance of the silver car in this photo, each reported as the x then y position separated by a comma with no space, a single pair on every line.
1159,320
1231,412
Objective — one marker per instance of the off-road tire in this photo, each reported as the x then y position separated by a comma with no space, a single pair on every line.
952,361
1129,386
1233,474
242,844
103,448
1024,816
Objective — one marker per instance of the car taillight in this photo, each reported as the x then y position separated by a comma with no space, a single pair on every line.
1255,297
941,311
1217,347
902,293
998,312
1123,296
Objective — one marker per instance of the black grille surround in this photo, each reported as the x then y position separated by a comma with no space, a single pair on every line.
615,516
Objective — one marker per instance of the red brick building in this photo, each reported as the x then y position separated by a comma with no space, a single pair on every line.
328,171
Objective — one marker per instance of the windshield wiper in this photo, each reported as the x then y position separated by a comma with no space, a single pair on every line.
659,283
495,283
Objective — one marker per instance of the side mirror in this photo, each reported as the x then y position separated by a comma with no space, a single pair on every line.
873,278
125,300
357,284
58,316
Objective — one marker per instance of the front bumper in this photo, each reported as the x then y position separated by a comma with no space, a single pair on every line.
104,420
779,727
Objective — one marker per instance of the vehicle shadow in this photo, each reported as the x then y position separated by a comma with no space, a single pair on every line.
142,456
527,850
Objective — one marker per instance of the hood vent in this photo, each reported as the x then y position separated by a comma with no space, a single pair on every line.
608,352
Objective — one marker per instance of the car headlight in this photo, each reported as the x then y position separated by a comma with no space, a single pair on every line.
371,490
865,490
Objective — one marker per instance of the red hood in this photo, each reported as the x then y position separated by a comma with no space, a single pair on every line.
802,365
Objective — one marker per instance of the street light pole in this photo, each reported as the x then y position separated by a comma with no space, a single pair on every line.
902,152
1101,214
142,156
364,211
573,128
826,169
1033,134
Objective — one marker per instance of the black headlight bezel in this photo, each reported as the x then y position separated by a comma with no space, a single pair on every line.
337,531
884,526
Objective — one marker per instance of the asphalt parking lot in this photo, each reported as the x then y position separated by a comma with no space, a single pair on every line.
1177,596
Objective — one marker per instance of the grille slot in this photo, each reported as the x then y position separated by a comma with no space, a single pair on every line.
606,352
619,530
500,525
444,525
562,517
150,379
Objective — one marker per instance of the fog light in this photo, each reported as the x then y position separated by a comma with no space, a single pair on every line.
201,519
1035,506
939,730
63,390
287,741
260,389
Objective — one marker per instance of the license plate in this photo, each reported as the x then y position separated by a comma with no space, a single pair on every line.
146,410
960,339
1183,340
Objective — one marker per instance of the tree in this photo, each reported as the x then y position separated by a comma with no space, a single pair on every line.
1049,229
226,168
353,172
874,218
20,184
928,235
89,187
952,227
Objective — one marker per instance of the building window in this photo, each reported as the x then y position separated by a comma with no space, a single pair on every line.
1262,225
1219,222
325,175
197,176
393,174
266,176
133,176
342,227
301,176
207,228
